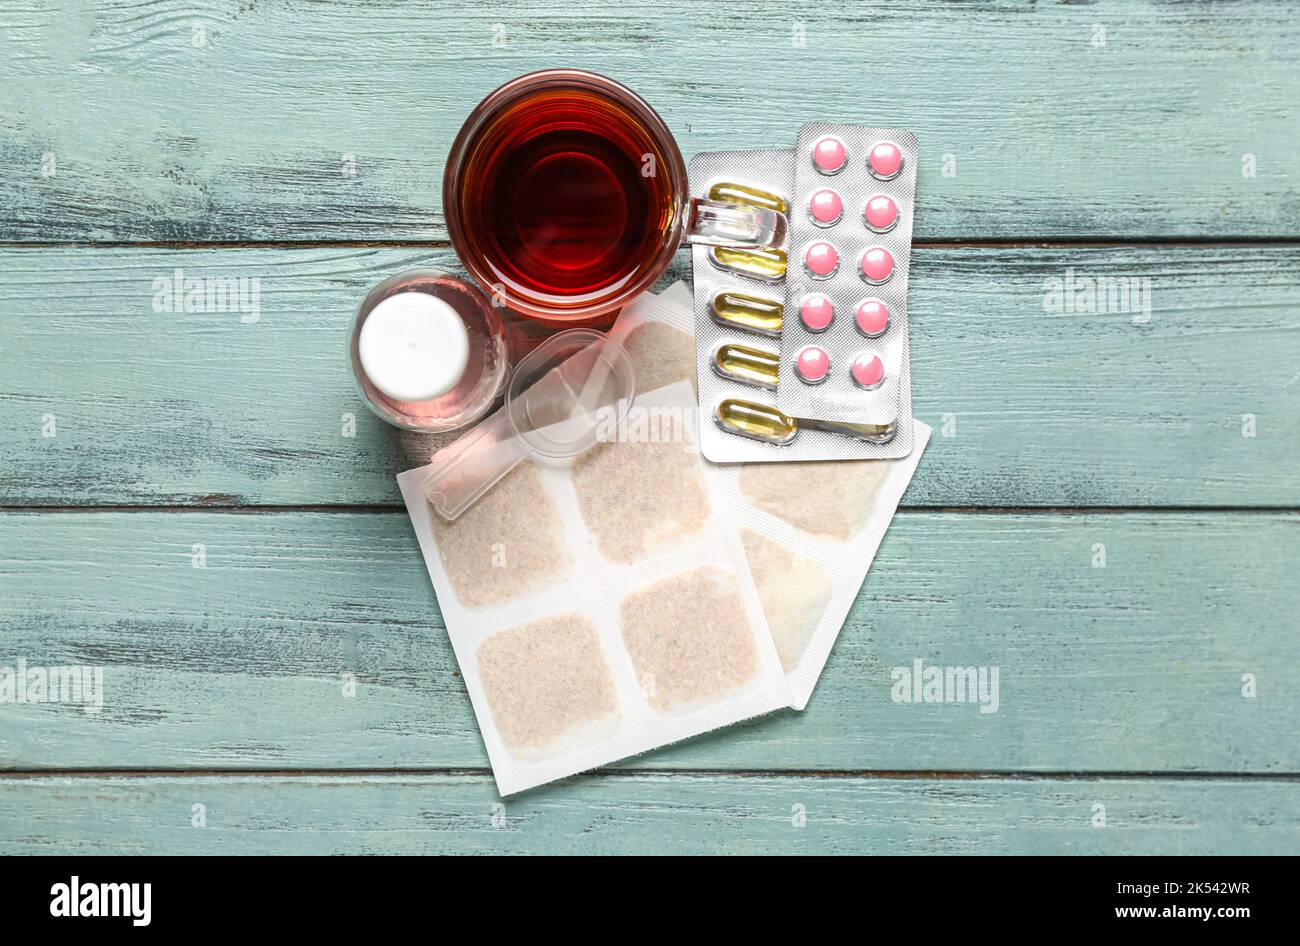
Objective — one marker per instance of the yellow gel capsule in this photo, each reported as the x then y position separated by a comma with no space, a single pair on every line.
762,262
751,313
756,421
764,422
747,365
730,193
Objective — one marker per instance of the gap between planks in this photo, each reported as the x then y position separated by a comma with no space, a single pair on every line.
954,243
1009,775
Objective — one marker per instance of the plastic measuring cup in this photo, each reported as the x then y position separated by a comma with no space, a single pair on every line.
561,394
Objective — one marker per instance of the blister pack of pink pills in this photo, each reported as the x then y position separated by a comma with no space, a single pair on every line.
849,256
754,318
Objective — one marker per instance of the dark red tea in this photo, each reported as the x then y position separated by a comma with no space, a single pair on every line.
565,197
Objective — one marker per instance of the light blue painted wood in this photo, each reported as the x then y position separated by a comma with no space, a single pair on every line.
651,814
178,122
1133,667
184,121
175,408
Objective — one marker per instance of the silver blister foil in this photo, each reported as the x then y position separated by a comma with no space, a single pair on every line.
841,396
770,170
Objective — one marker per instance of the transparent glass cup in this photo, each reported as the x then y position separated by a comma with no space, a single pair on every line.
541,189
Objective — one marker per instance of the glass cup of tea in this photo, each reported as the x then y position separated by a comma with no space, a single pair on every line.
566,197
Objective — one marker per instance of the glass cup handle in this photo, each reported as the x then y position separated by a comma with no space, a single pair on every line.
721,224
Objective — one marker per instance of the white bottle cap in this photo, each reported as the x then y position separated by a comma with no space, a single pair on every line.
413,346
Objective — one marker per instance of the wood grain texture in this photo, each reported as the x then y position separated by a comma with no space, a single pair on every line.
651,814
174,408
189,122
1133,667
186,121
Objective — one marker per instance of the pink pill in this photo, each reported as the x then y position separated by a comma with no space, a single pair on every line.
877,264
872,317
885,160
868,371
816,312
822,260
825,207
881,213
829,156
812,364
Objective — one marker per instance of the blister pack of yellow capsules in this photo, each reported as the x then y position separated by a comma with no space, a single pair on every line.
747,304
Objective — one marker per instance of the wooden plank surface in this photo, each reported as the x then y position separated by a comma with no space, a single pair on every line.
1029,408
1157,139
185,121
653,814
1137,666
